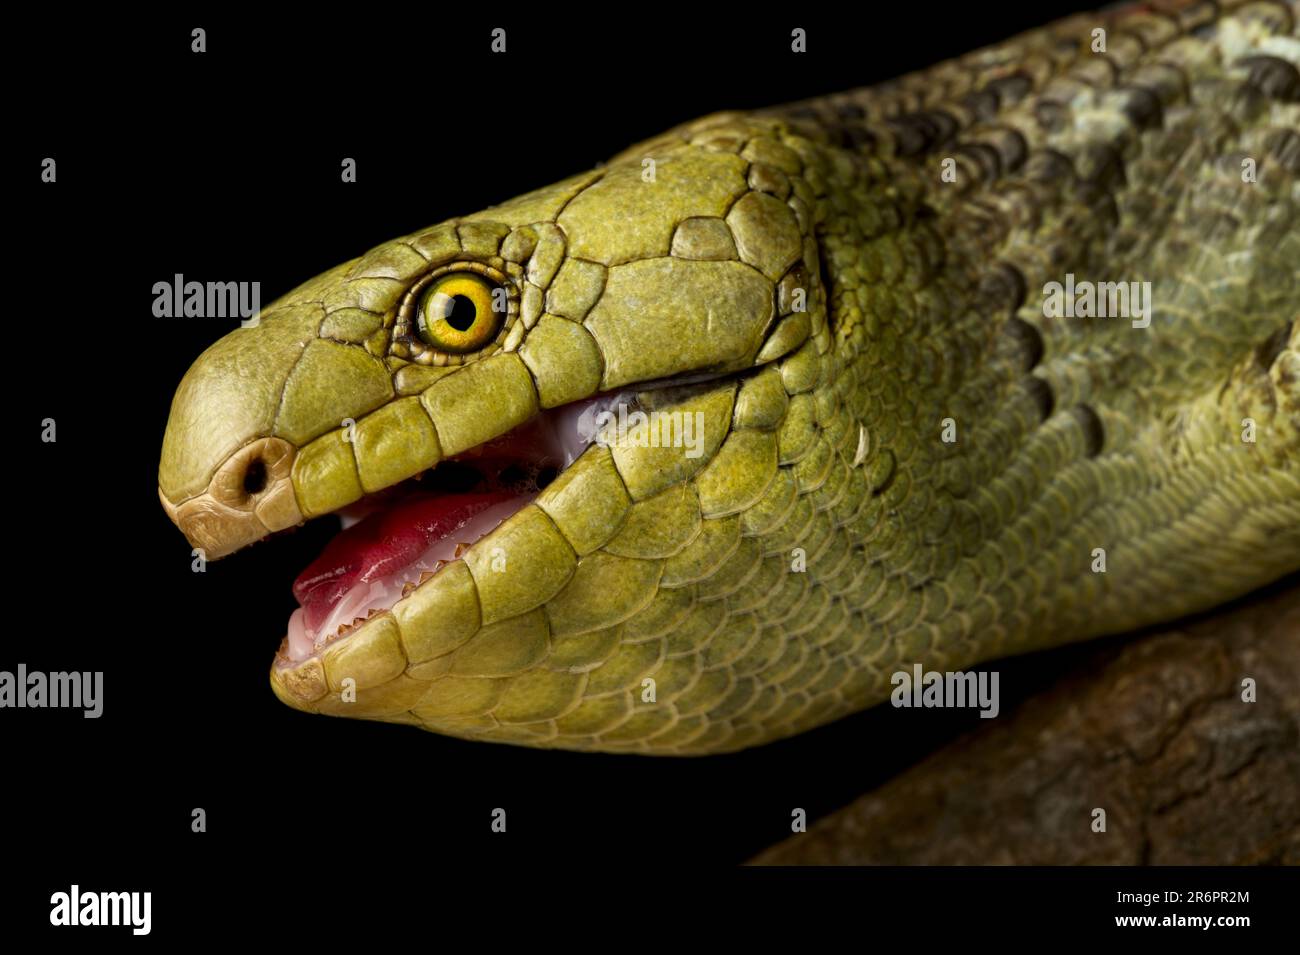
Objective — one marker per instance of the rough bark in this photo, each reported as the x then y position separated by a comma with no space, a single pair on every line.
1155,732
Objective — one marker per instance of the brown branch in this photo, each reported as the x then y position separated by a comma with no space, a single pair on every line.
1155,733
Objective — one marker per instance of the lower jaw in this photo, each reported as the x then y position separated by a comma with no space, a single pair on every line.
379,593
554,439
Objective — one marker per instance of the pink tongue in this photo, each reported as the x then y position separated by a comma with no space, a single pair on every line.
382,544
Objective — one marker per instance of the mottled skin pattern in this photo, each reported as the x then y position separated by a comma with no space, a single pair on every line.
921,301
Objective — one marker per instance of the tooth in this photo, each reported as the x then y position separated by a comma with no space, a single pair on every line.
425,576
358,621
411,585
343,629
373,611
461,548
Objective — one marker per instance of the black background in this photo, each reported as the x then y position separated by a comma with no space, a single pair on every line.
225,166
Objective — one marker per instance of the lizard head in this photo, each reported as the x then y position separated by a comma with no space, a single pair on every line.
545,427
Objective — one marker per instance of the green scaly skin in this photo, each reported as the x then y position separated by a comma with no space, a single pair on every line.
848,298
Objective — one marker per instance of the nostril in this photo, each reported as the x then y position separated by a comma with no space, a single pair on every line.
255,476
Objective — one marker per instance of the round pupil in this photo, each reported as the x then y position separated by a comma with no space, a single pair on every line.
460,313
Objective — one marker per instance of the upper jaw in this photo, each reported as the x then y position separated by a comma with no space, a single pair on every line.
252,494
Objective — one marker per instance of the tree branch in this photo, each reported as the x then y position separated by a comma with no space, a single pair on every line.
1155,733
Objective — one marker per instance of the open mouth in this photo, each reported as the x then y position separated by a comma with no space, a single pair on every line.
394,540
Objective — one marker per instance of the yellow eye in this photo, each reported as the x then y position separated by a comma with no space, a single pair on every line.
461,312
